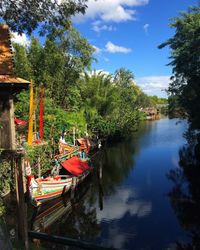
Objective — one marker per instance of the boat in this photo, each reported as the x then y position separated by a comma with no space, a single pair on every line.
88,144
49,213
44,189
67,148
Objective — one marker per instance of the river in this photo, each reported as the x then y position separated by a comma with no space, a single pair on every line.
139,203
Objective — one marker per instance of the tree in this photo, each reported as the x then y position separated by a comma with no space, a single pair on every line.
58,64
185,46
22,64
26,16
123,77
111,106
36,59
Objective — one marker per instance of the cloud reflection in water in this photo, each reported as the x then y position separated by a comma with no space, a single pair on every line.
122,202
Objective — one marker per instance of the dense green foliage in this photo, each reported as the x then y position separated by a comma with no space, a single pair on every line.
55,118
155,100
47,15
174,108
185,46
107,105
110,108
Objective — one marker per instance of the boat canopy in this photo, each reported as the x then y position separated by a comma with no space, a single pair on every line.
75,165
20,122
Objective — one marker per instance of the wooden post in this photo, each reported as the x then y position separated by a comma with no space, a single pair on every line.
12,124
7,126
22,207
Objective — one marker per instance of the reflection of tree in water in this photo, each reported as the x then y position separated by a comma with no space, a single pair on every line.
116,163
185,195
118,159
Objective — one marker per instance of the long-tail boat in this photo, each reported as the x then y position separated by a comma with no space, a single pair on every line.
88,144
45,189
47,214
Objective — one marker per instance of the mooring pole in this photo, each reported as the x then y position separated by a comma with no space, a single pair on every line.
22,207
100,174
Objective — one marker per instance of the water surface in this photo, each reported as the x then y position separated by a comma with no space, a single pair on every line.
131,207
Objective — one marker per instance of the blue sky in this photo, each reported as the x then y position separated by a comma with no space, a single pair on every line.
126,33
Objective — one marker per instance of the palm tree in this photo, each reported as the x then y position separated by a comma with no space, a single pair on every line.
124,77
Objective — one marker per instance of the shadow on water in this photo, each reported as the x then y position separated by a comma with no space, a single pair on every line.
185,194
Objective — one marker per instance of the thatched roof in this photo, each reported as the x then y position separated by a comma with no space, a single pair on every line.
7,74
6,57
12,79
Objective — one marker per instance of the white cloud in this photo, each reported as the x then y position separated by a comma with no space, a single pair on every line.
154,85
112,48
111,10
119,15
146,27
97,26
20,39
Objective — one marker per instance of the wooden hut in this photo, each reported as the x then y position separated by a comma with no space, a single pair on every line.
151,113
10,84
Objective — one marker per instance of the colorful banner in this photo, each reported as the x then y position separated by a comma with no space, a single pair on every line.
31,111
41,130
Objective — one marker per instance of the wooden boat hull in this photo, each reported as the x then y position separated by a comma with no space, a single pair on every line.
42,191
58,208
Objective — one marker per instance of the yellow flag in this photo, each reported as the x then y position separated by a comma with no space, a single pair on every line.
31,111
